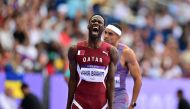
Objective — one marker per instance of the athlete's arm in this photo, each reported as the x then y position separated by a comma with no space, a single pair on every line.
73,76
134,71
110,77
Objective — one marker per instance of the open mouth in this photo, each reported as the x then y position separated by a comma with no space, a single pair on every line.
95,30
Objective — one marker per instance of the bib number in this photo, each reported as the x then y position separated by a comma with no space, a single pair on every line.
117,81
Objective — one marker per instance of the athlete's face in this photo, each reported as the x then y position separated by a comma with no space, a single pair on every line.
96,26
110,36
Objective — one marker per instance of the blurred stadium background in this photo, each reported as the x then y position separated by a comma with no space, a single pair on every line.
35,36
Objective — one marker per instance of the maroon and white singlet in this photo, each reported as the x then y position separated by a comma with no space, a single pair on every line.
92,68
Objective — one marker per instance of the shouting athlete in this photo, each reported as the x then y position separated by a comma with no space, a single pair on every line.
92,65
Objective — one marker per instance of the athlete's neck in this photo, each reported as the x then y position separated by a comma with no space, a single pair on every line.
94,42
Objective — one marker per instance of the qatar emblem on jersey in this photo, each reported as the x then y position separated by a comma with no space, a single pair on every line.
81,52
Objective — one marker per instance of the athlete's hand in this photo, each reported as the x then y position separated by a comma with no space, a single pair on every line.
130,107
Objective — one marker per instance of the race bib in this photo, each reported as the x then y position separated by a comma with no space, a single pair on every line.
92,74
117,81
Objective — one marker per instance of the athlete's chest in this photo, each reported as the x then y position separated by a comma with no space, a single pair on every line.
93,56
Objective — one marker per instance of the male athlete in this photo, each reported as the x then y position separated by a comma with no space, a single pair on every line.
127,63
92,64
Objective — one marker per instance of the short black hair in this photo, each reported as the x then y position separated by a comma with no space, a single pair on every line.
117,25
98,15
24,86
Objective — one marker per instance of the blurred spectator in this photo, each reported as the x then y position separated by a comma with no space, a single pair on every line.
163,19
6,100
6,37
176,30
158,45
155,71
185,61
75,6
171,60
65,39
123,12
30,101
183,103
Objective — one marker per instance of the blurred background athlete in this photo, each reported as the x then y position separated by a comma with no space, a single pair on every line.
127,63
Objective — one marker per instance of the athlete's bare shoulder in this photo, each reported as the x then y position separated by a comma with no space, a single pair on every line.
129,54
73,49
127,49
83,43
72,52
